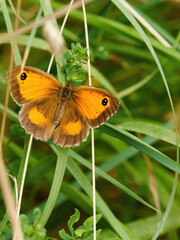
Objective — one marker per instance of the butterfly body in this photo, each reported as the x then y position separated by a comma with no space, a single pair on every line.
49,109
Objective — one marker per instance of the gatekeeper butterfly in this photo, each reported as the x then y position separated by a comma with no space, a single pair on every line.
49,109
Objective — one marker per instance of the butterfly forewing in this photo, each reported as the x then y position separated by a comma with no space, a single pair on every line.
32,84
95,104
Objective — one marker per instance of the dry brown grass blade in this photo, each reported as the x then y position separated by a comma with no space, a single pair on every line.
4,180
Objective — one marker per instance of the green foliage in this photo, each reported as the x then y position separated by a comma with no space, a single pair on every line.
136,150
83,232
17,130
74,61
29,229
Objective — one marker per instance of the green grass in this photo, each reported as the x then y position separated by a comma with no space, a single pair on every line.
144,74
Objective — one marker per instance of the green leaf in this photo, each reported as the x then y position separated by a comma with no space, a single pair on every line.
73,65
36,215
81,230
64,235
118,226
41,232
27,229
17,55
91,237
140,145
24,219
67,56
89,221
73,219
17,130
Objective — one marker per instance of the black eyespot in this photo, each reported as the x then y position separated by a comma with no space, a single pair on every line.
23,76
104,101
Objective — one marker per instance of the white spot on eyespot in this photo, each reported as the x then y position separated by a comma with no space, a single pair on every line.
42,125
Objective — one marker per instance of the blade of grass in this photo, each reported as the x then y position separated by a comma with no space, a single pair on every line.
132,51
146,40
140,145
17,56
101,78
150,129
10,114
145,23
101,173
157,26
136,86
114,26
145,227
107,166
56,185
119,227
59,13
31,37
26,54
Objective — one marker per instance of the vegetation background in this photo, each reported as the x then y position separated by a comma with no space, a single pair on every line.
136,151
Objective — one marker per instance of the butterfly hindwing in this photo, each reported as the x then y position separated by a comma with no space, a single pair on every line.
38,117
32,84
72,127
95,104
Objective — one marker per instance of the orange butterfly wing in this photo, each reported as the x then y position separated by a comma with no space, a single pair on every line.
95,104
32,84
38,92
46,103
87,107
38,117
72,128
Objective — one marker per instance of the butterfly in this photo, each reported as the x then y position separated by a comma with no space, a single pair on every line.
50,109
